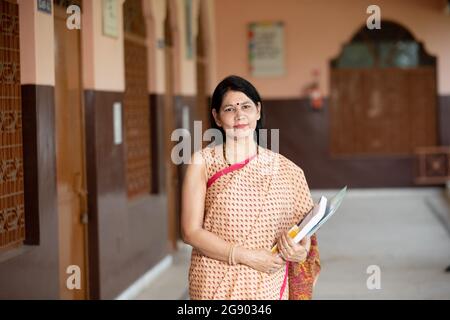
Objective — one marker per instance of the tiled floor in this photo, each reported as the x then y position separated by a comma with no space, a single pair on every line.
171,284
397,232
402,233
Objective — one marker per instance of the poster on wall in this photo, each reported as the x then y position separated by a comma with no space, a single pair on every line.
44,6
110,22
266,49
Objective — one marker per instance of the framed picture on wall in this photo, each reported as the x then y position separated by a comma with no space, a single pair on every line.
110,19
266,49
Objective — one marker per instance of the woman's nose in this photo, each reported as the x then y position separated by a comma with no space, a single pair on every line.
239,113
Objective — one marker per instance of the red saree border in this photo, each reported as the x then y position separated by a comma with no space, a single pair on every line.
283,286
233,167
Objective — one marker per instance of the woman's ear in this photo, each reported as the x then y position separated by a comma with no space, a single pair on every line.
216,117
258,108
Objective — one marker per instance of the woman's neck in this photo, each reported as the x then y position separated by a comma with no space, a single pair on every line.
240,149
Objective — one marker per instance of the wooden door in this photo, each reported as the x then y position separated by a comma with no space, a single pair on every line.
172,181
70,155
202,108
382,111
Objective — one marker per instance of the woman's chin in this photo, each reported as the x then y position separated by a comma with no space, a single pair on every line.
241,134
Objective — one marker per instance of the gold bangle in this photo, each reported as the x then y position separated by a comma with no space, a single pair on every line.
233,259
230,252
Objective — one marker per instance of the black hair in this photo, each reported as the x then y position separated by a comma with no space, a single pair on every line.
235,83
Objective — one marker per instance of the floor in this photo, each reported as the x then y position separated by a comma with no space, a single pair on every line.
381,244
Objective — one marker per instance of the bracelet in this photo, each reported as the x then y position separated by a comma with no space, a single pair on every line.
231,260
229,253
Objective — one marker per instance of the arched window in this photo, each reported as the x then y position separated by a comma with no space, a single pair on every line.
392,46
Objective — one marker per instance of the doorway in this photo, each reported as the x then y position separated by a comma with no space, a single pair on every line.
383,94
70,160
172,172
202,108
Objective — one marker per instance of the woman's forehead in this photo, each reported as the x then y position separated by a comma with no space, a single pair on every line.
235,97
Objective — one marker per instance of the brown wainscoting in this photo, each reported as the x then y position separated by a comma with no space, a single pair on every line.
184,103
126,238
304,139
33,273
188,103
444,119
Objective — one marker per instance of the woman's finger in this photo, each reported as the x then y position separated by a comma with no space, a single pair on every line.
284,242
304,241
287,252
278,261
304,254
290,241
285,237
281,248
288,247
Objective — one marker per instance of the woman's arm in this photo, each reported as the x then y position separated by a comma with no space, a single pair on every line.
192,213
209,244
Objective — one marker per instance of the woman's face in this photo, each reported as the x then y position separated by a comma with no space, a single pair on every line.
238,115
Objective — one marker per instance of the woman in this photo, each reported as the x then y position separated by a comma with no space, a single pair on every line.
238,200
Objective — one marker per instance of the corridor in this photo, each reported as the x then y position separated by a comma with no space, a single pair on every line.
402,231
103,102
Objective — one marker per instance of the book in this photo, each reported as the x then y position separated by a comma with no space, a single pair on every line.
315,218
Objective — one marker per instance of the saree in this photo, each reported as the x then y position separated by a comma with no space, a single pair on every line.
251,204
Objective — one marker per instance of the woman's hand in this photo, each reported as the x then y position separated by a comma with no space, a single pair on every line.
262,260
291,251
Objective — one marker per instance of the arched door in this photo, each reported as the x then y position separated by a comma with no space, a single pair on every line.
383,94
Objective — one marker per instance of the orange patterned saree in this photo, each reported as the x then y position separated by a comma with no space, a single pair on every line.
250,204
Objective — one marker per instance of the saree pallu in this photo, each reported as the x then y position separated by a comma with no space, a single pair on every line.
250,204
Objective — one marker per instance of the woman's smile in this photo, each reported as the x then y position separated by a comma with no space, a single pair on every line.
240,126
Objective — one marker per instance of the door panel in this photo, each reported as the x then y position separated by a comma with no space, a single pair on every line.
382,110
70,157
172,174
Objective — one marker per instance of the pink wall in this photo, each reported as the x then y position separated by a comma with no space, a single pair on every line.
314,33
37,66
103,57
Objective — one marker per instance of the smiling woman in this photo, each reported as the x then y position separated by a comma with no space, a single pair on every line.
238,200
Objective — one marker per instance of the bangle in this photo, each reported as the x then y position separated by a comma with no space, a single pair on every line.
229,253
231,261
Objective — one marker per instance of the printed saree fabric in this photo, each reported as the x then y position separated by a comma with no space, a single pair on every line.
250,204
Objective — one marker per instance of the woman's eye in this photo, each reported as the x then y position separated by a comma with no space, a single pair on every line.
227,109
246,106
